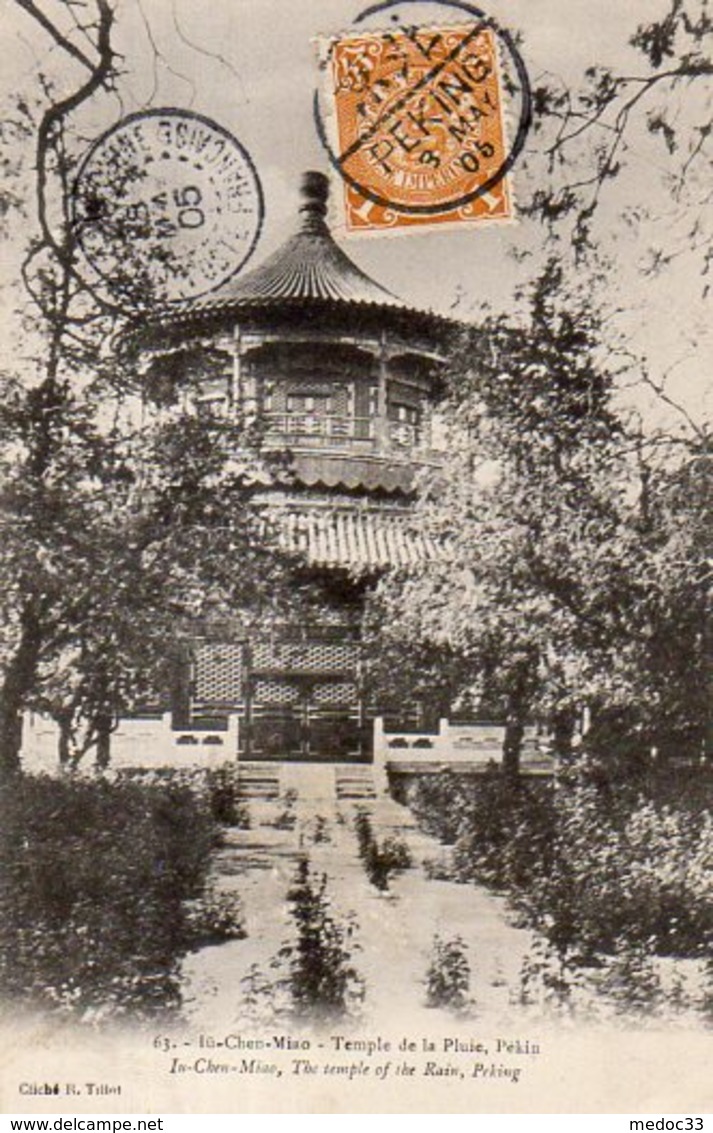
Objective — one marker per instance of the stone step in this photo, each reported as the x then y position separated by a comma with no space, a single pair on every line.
258,791
258,782
354,783
313,782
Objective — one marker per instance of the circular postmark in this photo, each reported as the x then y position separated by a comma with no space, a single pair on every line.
167,206
416,122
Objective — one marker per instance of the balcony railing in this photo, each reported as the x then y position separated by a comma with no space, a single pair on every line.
404,435
317,430
322,429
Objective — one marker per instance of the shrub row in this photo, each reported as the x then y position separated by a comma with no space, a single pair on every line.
218,788
591,867
102,892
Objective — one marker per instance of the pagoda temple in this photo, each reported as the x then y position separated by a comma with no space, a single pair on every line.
344,377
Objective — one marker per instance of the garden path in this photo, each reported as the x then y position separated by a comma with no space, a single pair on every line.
394,931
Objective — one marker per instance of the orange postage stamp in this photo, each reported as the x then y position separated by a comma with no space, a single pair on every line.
416,126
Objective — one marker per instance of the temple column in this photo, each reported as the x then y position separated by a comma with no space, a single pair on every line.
246,384
381,431
236,381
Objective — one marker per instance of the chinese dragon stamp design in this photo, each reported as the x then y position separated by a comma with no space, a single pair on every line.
416,126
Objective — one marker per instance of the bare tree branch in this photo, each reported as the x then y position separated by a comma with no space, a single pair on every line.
66,44
659,389
159,58
203,51
55,115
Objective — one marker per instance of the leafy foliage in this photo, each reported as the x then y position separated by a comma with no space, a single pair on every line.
381,860
120,527
501,831
111,557
448,976
592,132
574,568
286,819
642,876
102,893
593,865
215,788
213,918
226,805
316,978
323,982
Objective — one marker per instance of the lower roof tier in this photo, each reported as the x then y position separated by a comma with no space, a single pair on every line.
352,473
356,539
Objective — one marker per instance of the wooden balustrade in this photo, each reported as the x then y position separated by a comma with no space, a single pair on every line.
328,430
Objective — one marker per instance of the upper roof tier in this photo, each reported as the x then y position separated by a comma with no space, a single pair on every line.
310,265
309,272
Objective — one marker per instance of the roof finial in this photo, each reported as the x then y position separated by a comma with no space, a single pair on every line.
314,188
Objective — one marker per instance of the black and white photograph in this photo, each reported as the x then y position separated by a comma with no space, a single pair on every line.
356,557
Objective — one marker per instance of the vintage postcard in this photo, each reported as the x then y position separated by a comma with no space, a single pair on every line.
355,683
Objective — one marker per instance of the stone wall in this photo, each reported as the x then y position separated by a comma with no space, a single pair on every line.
147,741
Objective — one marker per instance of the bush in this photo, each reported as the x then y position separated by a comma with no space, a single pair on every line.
507,833
383,860
318,980
630,979
448,976
213,918
218,788
363,831
502,831
707,1000
94,877
591,864
227,807
637,877
287,819
323,982
441,803
549,978
320,832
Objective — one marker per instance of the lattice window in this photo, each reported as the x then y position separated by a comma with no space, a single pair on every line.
276,693
274,397
340,400
218,673
305,657
335,692
264,655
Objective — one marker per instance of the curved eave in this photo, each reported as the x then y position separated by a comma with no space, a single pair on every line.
358,543
228,314
310,265
344,471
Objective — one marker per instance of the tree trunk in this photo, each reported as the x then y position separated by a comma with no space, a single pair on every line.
562,735
180,693
10,730
19,681
512,746
64,742
104,729
516,721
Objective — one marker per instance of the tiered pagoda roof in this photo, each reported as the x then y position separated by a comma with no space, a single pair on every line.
308,270
355,540
310,283
308,266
